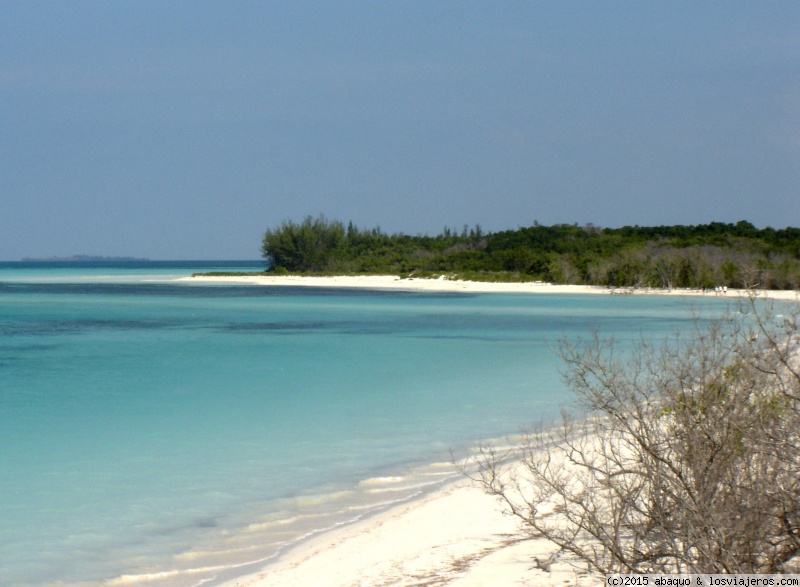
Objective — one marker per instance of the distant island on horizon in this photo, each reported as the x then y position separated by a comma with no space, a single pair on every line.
79,259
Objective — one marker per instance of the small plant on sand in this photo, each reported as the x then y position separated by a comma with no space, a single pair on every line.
688,461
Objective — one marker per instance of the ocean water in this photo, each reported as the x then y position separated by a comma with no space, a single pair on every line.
159,432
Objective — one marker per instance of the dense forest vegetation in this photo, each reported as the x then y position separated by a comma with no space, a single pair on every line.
702,256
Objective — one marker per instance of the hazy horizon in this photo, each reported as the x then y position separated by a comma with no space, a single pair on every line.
102,257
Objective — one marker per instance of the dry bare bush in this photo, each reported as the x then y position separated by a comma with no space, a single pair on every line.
688,459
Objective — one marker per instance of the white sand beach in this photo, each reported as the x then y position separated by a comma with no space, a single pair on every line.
457,537
448,285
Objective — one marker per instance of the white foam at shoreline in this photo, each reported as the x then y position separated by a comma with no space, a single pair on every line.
380,481
307,518
456,536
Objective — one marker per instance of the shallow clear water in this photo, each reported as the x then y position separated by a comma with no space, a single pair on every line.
166,433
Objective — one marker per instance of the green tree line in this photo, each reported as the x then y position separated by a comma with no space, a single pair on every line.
700,256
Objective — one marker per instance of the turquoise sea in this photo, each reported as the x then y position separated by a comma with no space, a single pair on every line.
156,432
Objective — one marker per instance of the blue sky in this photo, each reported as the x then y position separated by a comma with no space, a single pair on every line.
184,129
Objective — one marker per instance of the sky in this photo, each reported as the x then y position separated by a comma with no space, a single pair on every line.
185,129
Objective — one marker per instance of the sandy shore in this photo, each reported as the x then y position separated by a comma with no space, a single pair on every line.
456,537
446,285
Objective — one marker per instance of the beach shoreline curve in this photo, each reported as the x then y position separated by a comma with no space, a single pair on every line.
442,284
